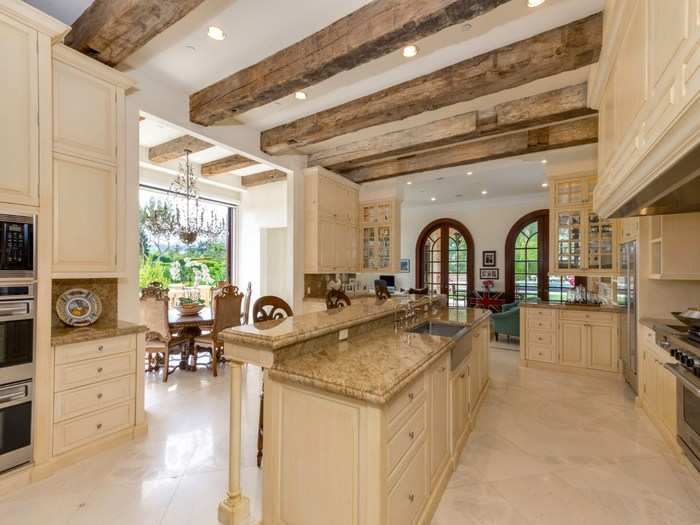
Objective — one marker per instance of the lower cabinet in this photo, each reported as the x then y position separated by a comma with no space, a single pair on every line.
572,343
439,410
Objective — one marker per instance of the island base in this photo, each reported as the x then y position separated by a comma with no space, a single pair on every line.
235,511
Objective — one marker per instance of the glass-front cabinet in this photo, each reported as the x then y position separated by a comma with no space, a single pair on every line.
380,236
569,240
573,191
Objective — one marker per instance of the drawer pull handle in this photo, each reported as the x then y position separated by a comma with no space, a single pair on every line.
99,370
99,426
442,369
100,348
411,497
99,396
411,395
462,375
412,434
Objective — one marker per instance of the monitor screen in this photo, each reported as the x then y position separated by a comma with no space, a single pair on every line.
390,280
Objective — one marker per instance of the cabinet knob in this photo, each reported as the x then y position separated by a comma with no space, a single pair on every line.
412,434
442,369
411,395
99,426
99,396
99,370
100,348
463,375
411,497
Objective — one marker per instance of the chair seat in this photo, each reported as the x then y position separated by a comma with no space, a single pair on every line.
204,340
155,346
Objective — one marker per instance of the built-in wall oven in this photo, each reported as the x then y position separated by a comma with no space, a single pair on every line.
17,342
17,246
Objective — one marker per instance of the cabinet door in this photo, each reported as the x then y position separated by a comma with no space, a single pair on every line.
600,244
19,107
84,216
666,398
572,192
473,380
601,347
327,245
459,404
85,115
572,344
369,248
568,241
439,418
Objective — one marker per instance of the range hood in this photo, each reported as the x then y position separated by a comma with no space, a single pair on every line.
677,190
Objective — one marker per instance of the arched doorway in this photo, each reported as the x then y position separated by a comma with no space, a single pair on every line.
445,260
527,257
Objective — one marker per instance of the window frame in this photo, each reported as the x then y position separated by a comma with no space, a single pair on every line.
542,219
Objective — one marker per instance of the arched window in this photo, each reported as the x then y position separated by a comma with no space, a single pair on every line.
527,257
445,260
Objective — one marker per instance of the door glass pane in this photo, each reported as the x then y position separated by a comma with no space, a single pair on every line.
526,262
431,261
569,240
457,269
600,243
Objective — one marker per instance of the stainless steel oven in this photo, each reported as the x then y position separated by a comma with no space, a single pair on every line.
15,424
688,412
17,332
17,246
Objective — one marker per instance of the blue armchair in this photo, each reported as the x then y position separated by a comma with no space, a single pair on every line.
507,322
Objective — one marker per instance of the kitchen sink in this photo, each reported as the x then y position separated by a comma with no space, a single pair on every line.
459,333
433,328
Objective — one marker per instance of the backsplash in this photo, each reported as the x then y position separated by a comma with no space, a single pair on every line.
316,284
106,289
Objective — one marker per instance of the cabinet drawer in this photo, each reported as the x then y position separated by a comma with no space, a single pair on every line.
88,399
411,395
99,348
535,337
541,313
544,354
94,370
82,430
582,315
407,435
540,323
407,498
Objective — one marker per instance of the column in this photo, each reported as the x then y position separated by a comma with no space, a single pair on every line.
234,509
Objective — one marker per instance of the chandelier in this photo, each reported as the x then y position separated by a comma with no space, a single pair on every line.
191,221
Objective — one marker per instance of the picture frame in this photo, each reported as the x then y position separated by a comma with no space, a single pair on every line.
488,258
404,265
489,273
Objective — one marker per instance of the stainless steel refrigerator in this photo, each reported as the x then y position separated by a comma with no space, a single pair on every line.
627,297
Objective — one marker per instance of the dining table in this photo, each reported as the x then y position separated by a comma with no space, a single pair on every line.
189,326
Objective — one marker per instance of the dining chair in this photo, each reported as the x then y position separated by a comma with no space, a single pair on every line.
228,314
381,289
246,303
337,299
159,339
267,308
216,290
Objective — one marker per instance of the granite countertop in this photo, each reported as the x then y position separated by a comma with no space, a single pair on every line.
666,325
284,332
358,296
613,308
65,335
374,366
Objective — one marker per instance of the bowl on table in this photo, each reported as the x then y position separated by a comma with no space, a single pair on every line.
189,309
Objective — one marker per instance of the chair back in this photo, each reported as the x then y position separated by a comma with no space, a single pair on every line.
228,302
337,299
154,312
381,289
270,307
216,290
418,291
246,304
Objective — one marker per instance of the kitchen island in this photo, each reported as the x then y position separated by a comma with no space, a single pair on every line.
366,409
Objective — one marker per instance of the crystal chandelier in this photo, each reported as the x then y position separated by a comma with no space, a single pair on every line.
190,219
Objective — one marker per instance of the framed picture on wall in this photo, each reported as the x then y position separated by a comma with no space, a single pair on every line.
489,273
404,265
488,258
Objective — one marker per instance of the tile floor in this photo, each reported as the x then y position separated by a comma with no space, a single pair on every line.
548,448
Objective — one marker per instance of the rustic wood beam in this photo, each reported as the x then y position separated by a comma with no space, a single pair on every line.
227,164
538,110
555,136
266,177
562,49
376,29
111,30
174,149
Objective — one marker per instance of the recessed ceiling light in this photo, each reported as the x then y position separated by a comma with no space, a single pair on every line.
544,161
433,199
216,33
409,183
410,51
470,173
545,184
484,192
535,3
300,95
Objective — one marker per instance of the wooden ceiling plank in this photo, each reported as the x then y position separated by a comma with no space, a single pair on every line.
537,110
376,29
174,149
266,177
561,49
111,30
227,164
554,136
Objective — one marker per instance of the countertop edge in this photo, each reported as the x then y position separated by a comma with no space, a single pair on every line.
614,309
86,334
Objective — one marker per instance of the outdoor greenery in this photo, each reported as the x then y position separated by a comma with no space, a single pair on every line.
164,258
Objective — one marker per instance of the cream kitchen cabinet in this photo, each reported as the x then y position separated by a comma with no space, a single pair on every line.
439,411
646,89
89,159
380,236
572,343
672,255
331,223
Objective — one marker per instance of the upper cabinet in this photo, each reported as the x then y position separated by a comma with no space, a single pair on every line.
673,256
331,222
646,89
581,242
89,159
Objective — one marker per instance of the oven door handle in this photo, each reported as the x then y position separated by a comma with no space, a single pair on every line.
677,371
13,394
15,310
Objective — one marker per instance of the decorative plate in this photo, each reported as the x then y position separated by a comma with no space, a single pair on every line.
79,307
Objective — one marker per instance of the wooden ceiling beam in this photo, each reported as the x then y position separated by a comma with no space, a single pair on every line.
555,136
538,110
174,149
376,29
266,177
562,49
111,30
227,164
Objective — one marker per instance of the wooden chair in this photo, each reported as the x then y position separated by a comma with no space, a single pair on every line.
418,291
245,314
216,290
159,340
228,313
267,308
381,289
337,299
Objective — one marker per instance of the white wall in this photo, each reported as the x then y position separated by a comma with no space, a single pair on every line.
261,207
488,221
274,263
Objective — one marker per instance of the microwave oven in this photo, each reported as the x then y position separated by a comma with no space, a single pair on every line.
17,246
